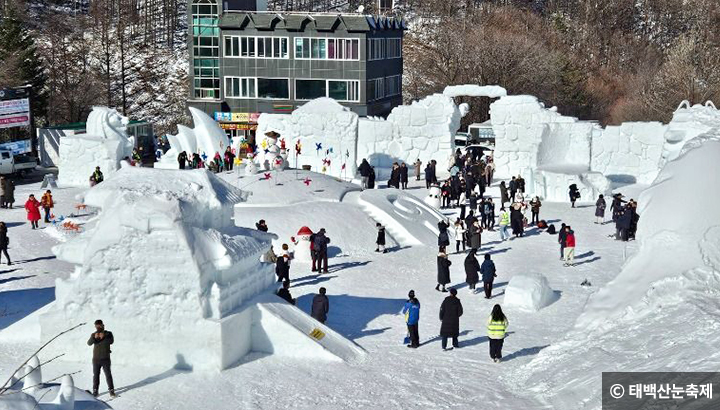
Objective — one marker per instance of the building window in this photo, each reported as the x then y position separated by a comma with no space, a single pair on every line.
376,49
309,48
252,87
375,89
394,48
206,51
340,90
393,85
256,47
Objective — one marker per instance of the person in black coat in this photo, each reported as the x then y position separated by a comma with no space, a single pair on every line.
284,293
282,266
394,180
516,221
371,178
443,236
623,224
450,312
4,242
403,175
380,241
429,175
320,306
443,270
513,188
261,225
364,169
574,194
472,266
616,206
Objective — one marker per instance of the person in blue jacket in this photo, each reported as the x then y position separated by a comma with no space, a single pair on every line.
487,270
411,310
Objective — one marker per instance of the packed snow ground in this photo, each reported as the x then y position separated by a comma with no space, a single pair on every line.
366,291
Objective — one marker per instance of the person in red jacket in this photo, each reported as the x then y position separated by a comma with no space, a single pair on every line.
569,247
32,206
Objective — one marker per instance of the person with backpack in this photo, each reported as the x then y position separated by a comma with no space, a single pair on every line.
450,312
535,205
472,267
320,306
411,310
284,293
600,210
320,247
380,241
487,270
569,247
443,270
561,240
497,325
459,235
4,242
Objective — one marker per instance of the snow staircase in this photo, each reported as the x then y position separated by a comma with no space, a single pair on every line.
283,329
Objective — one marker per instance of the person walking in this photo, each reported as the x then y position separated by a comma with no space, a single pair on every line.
4,242
561,240
403,175
418,165
497,325
504,197
284,292
411,310
9,193
320,247
489,214
472,267
450,312
229,158
282,266
535,205
459,235
365,171
569,247
487,270
101,340
574,193
513,187
98,175
394,180
3,184
443,236
475,235
504,221
32,206
320,306
516,220
600,206
443,270
380,241
47,204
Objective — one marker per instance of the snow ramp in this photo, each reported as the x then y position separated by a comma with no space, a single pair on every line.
284,330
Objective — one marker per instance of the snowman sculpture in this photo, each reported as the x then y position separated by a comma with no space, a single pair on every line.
302,245
250,167
434,197
278,163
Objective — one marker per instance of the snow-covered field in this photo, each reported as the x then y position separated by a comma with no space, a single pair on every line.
366,291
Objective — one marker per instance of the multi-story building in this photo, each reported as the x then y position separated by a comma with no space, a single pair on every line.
245,63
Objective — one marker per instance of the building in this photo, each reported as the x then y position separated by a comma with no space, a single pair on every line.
245,63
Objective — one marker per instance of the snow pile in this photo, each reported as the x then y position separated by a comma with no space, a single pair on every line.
164,258
530,292
105,143
688,122
327,133
206,139
474,90
660,312
423,130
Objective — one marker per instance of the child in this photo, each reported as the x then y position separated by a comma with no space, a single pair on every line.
380,241
47,203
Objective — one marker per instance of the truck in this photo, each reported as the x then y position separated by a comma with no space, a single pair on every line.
16,164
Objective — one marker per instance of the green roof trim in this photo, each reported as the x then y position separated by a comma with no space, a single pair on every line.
81,125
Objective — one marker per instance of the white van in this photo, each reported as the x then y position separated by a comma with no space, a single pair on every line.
20,164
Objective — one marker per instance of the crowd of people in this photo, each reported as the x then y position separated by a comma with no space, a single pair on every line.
218,163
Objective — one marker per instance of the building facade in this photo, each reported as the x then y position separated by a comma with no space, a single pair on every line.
245,63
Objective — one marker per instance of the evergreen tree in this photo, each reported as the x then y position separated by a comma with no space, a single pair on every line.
21,63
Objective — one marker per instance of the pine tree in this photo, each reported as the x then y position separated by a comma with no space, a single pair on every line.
21,61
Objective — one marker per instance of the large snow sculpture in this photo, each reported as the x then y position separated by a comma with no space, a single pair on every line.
165,268
105,143
688,122
206,139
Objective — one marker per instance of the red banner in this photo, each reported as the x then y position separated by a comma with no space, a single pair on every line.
14,120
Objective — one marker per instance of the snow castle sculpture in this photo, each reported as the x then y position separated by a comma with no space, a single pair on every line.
105,143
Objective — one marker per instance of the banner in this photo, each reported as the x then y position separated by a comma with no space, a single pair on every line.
17,147
15,106
14,120
234,126
247,117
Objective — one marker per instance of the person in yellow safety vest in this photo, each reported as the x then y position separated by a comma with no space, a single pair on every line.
496,326
504,222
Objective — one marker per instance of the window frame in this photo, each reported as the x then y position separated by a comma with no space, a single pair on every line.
249,47
350,89
340,45
255,88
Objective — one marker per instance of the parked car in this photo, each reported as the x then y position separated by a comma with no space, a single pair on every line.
16,164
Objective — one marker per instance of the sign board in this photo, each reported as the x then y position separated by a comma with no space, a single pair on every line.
14,120
21,105
246,117
17,147
235,126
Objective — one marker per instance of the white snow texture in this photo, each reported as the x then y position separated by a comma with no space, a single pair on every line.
530,292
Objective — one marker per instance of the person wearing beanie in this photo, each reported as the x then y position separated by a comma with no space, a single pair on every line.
411,310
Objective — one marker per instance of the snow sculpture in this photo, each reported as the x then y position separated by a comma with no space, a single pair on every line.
529,292
302,245
474,90
164,256
250,166
105,143
207,138
434,197
688,122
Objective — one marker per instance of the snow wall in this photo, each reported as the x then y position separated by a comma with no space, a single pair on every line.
105,143
552,151
660,312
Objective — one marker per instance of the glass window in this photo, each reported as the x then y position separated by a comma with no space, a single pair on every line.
338,90
298,47
261,46
273,88
309,89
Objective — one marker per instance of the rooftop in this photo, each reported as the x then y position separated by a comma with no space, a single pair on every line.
299,20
